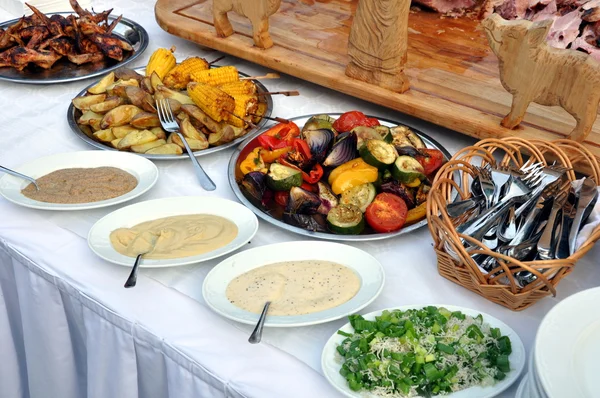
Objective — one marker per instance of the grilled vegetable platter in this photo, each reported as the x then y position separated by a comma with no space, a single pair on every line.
338,176
215,108
63,47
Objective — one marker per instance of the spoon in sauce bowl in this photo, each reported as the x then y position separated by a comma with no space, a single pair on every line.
256,335
23,176
145,244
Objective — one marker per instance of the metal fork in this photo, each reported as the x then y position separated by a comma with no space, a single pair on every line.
169,123
487,185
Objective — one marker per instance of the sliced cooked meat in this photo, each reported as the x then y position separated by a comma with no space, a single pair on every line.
564,30
512,9
537,3
445,6
588,42
591,14
548,12
85,58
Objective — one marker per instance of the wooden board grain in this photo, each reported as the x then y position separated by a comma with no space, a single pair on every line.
453,75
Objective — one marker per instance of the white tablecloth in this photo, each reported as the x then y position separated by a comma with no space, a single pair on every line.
68,329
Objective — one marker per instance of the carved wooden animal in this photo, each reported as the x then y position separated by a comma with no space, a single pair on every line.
532,71
378,43
257,11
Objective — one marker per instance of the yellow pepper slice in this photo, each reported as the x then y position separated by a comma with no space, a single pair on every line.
416,214
414,183
355,164
271,156
253,162
352,174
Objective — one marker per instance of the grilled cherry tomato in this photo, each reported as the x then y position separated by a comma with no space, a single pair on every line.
282,197
349,120
431,160
387,213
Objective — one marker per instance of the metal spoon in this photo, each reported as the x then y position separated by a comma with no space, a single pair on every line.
132,280
23,176
256,335
588,195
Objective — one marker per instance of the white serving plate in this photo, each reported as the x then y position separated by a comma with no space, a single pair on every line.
331,360
535,387
567,347
142,169
99,241
366,266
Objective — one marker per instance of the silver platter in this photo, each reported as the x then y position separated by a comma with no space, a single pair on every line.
64,71
73,114
262,213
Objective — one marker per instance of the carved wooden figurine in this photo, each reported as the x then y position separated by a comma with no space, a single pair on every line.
378,42
257,11
532,71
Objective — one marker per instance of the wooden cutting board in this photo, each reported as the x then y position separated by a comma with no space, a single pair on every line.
453,74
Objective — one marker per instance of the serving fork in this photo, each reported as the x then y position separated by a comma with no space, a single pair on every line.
169,124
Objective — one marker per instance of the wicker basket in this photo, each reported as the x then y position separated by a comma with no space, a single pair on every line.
455,176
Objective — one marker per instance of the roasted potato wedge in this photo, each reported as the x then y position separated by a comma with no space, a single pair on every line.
146,85
216,127
190,131
140,98
115,142
108,104
223,137
88,116
136,138
103,84
84,103
131,82
176,95
159,133
105,135
124,73
122,131
119,116
155,81
175,105
195,145
166,149
145,120
146,147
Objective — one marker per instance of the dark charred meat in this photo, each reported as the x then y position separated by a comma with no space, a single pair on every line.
41,40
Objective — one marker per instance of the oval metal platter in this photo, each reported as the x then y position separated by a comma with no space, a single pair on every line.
234,175
73,114
64,71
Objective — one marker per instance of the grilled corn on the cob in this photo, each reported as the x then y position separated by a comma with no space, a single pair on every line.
241,87
216,76
180,76
244,104
215,103
161,62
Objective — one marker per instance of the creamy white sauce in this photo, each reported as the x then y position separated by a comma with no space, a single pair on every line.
294,287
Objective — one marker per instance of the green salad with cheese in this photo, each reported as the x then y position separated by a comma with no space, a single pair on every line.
425,352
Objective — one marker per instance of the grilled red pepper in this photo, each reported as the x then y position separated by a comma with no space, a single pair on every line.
312,177
279,136
349,120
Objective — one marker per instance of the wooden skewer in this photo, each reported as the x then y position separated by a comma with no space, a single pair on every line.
267,76
286,93
217,60
276,119
242,119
